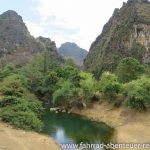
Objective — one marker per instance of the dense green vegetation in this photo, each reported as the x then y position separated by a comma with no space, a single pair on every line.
130,69
18,106
24,90
137,93
109,86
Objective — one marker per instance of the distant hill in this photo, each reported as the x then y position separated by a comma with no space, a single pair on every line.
126,34
17,45
73,51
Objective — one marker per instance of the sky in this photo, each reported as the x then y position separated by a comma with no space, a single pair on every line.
78,21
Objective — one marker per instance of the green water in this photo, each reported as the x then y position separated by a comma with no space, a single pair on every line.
74,129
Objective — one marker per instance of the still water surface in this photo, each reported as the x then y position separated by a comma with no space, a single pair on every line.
74,129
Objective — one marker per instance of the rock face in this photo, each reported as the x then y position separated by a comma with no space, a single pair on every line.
73,51
52,49
16,44
127,33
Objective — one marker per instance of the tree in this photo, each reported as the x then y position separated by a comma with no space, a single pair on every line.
137,93
63,94
34,71
87,85
129,69
49,86
109,85
69,73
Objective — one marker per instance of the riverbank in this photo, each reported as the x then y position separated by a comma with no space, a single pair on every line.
14,139
130,126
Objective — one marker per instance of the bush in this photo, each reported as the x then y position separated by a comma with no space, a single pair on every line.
21,117
18,106
63,94
49,84
7,71
23,79
137,93
87,86
12,88
69,73
8,100
31,101
34,71
129,69
109,85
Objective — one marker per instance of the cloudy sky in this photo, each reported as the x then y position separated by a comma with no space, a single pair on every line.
79,21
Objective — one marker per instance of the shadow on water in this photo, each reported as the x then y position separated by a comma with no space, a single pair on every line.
73,129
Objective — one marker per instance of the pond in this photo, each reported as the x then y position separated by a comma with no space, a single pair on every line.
71,131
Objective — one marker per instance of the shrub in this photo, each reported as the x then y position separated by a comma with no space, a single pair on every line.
137,93
12,88
109,85
7,71
49,84
8,100
129,69
69,73
22,112
87,86
21,117
18,106
63,94
23,79
31,101
34,71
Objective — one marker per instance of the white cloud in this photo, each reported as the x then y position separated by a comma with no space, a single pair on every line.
40,30
80,21
35,29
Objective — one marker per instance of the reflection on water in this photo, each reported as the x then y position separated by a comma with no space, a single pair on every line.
74,129
61,137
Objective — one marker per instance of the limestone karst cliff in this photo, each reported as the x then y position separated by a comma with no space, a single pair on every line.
127,33
16,43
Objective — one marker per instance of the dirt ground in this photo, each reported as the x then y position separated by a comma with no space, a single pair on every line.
13,139
130,126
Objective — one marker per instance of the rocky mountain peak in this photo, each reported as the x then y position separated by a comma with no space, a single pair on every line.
45,41
73,51
48,44
16,43
137,1
11,15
